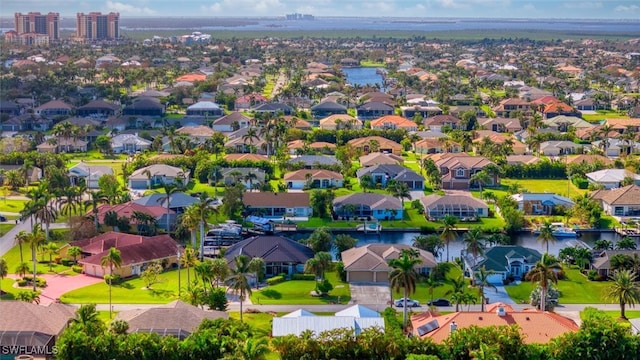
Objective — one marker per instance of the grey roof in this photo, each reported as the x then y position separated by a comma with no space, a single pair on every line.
315,159
432,200
260,174
176,200
28,317
496,258
231,118
373,200
356,318
374,105
270,249
204,105
158,170
99,104
273,107
329,105
396,172
145,103
611,175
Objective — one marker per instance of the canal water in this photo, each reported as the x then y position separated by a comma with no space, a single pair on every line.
363,76
525,239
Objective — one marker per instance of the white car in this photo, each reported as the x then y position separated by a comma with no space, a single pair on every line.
408,302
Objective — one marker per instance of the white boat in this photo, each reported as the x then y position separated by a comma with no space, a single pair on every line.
560,231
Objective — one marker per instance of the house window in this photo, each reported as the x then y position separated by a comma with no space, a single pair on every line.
460,173
480,211
618,210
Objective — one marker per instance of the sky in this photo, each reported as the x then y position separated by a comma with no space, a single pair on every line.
602,9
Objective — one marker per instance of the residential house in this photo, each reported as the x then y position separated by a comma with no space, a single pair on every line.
136,253
199,133
368,206
327,108
248,101
504,260
602,262
382,174
245,176
371,144
144,106
621,125
588,105
34,173
157,174
231,122
315,179
129,144
340,122
424,111
27,327
373,110
98,109
373,159
89,174
273,108
559,148
240,142
534,326
458,169
278,206
370,263
436,146
245,157
178,201
176,318
624,201
491,137
355,318
297,146
501,125
127,210
617,147
462,206
507,106
559,108
207,109
436,123
393,122
563,123
280,254
587,159
9,108
612,178
541,203
314,161
53,108
63,145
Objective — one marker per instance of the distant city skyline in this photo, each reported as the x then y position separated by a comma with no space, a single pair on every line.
537,9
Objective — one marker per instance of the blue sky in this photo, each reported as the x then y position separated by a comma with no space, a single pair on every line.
602,9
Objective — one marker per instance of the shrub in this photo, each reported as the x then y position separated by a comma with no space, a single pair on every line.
77,269
40,282
22,282
325,286
592,274
115,279
217,300
303,277
275,280
66,262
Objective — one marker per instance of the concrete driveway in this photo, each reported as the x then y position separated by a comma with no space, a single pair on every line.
370,293
499,294
58,284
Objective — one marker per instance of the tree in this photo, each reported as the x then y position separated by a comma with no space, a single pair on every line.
320,240
151,273
321,201
448,233
317,265
95,199
111,260
546,234
238,281
404,275
626,243
103,143
35,239
203,209
543,272
21,238
257,265
474,245
344,242
400,190
74,252
169,189
188,260
4,271
481,178
109,187
431,243
87,320
481,282
22,269
457,291
624,290
51,249
220,270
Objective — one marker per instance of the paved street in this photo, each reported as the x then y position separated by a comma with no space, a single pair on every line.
7,241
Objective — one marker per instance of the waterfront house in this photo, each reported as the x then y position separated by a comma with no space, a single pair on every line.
602,262
368,206
612,178
314,179
624,201
157,174
541,203
371,144
463,207
382,174
278,206
504,260
370,263
457,170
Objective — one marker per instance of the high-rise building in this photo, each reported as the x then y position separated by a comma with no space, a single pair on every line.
98,26
37,23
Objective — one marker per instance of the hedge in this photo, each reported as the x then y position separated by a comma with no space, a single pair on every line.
275,280
303,277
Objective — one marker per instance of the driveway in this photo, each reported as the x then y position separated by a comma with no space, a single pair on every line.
499,294
58,284
370,293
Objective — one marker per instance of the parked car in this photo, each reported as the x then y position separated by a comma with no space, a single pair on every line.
439,302
3,218
408,302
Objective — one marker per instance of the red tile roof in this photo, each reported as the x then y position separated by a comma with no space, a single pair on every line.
134,249
127,209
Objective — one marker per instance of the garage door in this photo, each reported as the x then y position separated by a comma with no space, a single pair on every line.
360,276
495,279
382,277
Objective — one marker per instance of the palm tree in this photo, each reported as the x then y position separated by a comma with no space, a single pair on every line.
51,249
317,265
74,251
238,281
21,238
431,282
404,276
112,259
169,189
87,319
457,291
95,199
4,271
203,209
481,178
250,136
624,290
35,239
401,191
250,177
188,260
474,243
546,234
448,233
482,282
189,220
257,265
543,272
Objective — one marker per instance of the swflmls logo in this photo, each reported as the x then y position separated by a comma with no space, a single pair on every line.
27,350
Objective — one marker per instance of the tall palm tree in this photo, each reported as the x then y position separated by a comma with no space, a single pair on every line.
250,177
624,290
87,319
401,191
203,209
482,282
35,239
457,291
189,259
238,281
111,260
448,233
257,265
250,136
189,220
21,238
4,271
404,276
481,178
95,199
543,272
474,244
169,189
546,234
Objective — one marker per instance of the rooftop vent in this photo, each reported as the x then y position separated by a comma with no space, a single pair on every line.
501,311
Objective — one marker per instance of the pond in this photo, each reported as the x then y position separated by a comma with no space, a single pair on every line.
363,76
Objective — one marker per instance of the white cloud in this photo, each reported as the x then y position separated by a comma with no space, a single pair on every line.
129,9
245,7
630,8
529,7
583,5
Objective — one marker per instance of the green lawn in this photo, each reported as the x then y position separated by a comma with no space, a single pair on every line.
10,205
577,289
604,114
298,292
558,186
7,286
13,259
422,292
95,155
369,63
130,291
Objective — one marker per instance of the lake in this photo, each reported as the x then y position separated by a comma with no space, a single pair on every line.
363,76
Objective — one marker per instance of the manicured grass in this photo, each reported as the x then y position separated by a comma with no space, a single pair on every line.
577,289
10,205
422,291
13,259
7,286
604,114
95,155
6,227
557,186
368,63
615,314
261,322
298,292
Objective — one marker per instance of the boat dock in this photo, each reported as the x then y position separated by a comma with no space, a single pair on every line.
632,232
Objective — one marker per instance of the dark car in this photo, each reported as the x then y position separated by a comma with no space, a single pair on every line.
3,218
439,302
